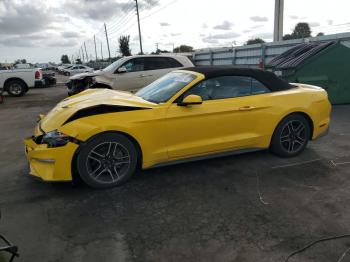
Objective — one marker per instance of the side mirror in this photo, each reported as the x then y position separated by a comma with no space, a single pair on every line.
191,100
122,70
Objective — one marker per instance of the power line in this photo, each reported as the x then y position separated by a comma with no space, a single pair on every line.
160,9
118,22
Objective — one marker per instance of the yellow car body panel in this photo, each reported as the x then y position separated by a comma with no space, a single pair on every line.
50,164
167,132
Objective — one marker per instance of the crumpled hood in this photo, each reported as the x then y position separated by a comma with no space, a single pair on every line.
83,75
87,99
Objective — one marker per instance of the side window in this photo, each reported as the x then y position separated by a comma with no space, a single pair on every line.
173,63
259,88
134,65
227,87
155,63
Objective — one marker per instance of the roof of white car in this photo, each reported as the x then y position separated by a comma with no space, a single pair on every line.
160,55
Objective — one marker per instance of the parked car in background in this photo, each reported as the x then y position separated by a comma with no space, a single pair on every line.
22,66
16,82
128,73
49,77
46,66
77,69
103,135
62,67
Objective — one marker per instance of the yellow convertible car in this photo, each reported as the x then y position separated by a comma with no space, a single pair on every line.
103,136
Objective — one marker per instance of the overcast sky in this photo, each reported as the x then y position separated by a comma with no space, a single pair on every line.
43,30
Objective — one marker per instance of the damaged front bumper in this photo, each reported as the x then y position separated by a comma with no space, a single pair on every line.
50,164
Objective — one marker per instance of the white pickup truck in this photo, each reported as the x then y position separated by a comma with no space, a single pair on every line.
16,82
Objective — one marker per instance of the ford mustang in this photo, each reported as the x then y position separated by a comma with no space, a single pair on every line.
102,136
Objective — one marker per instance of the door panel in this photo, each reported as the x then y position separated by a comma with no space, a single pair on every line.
216,125
153,75
127,81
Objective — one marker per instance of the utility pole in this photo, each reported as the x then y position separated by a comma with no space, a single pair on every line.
157,47
278,27
138,21
109,52
101,52
87,57
95,47
82,51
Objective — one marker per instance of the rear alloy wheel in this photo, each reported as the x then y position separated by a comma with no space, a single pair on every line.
291,136
16,88
107,160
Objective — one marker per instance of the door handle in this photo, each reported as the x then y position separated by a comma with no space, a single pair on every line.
247,108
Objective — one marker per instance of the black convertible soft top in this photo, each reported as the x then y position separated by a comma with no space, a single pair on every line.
269,79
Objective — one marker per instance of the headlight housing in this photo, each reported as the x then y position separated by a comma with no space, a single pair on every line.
55,139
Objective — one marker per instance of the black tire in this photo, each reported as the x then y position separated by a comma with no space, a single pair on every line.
291,136
16,88
107,160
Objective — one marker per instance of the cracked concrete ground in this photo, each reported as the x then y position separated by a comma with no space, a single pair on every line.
251,207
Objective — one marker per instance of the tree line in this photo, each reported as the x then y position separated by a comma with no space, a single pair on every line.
301,30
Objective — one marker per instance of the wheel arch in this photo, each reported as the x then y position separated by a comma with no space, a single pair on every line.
7,81
75,174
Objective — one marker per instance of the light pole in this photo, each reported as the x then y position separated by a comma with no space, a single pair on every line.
138,21
278,26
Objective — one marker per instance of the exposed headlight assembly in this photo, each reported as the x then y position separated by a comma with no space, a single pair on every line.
55,139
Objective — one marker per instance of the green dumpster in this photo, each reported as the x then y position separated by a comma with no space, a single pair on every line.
325,64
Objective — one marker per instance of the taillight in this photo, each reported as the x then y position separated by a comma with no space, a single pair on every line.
37,74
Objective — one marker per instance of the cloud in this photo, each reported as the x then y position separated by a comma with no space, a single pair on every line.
175,34
164,24
257,26
204,26
225,25
294,17
259,18
247,31
70,34
314,24
330,22
64,43
102,10
266,35
17,41
212,39
34,40
23,18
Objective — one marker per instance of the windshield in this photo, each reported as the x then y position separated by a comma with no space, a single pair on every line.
116,64
165,87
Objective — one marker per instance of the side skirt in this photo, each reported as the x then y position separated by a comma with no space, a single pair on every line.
205,157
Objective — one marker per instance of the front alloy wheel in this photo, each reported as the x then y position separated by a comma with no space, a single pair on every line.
107,160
